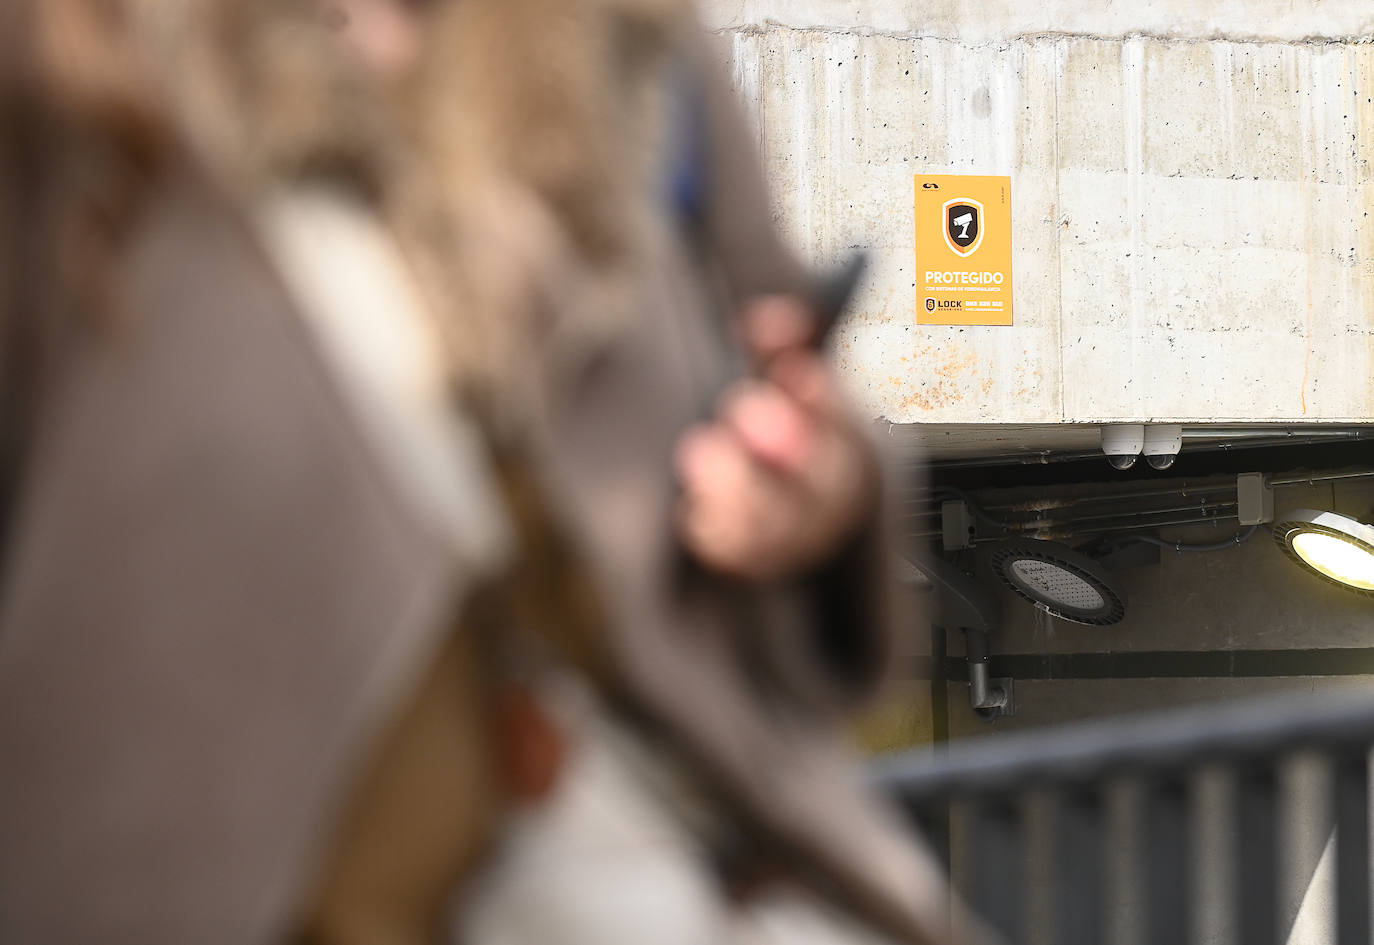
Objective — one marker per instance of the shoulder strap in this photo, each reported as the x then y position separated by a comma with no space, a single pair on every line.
21,264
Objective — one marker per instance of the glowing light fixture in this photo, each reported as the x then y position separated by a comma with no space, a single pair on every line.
1335,547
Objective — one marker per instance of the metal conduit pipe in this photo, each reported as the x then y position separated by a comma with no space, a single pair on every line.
1209,520
1063,532
1047,505
1070,525
1125,519
1129,515
1235,433
1184,489
1325,477
1067,533
1040,458
1239,538
983,695
1048,457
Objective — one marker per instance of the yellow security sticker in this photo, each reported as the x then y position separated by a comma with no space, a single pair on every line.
963,250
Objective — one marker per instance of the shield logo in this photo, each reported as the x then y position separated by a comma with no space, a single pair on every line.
964,225
930,305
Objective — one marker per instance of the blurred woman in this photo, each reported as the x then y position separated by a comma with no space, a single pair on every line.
364,351
243,509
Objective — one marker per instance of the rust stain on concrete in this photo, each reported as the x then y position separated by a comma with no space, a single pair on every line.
941,379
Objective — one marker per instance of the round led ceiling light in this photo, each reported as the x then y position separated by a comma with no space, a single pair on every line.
1063,582
1334,547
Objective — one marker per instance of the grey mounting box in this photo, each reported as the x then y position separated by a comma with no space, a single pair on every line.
1254,499
956,525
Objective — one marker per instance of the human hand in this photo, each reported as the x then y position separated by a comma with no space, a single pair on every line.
782,476
385,34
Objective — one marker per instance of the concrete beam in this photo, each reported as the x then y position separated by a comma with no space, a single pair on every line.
1000,20
1192,219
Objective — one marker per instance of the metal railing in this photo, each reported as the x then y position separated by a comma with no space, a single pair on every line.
985,788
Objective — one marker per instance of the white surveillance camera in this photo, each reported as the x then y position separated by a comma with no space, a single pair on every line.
1123,442
1162,443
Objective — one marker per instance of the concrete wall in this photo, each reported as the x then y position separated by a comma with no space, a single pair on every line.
1192,190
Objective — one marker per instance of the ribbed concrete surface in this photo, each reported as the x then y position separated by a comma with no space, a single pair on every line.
1191,191
984,20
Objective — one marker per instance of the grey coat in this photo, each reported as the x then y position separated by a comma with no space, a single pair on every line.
215,590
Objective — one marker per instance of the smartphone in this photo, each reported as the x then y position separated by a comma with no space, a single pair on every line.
833,294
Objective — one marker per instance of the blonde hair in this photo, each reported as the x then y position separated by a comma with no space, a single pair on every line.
83,142
515,157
